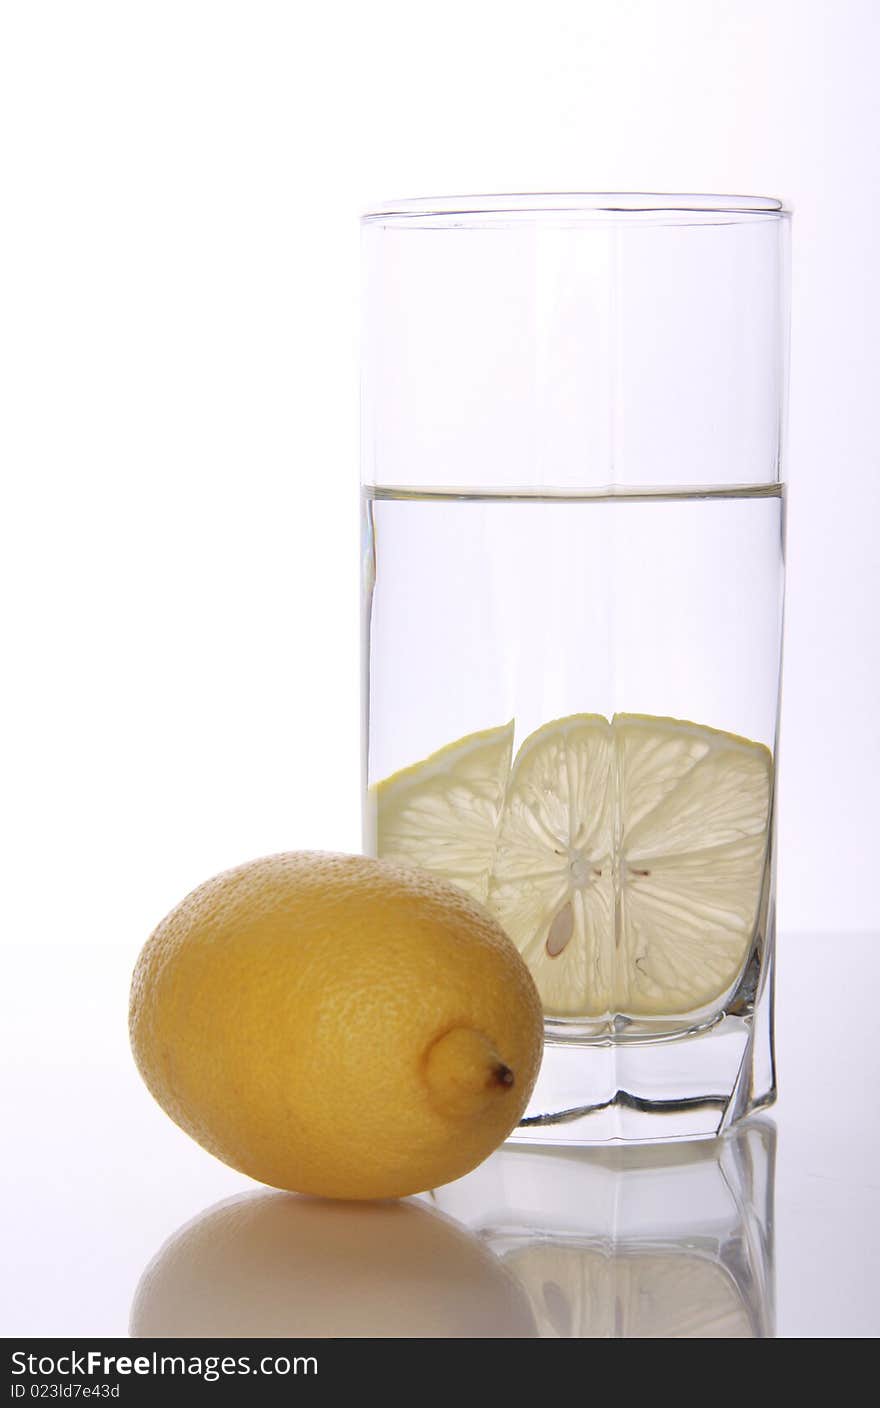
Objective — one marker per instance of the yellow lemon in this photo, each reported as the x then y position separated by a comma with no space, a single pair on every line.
337,1025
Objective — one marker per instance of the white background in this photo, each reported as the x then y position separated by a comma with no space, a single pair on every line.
181,184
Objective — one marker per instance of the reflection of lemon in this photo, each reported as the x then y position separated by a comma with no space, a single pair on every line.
628,862
442,813
582,1292
337,1025
269,1265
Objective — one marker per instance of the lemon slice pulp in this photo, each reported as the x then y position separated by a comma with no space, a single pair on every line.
552,886
442,814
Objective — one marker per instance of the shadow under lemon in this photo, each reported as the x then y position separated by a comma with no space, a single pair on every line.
266,1265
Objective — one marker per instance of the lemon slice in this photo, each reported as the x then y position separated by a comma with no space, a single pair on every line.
442,814
629,862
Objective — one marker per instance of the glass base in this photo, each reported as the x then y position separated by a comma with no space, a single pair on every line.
688,1087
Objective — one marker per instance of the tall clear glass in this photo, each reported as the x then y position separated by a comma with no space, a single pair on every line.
573,519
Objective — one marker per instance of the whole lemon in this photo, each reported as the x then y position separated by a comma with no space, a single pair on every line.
336,1025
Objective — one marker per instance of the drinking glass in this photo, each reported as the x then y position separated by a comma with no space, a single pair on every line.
573,533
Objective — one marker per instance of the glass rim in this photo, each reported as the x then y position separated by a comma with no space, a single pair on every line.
475,209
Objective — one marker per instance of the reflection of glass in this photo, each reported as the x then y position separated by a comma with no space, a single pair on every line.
272,1264
573,522
641,1242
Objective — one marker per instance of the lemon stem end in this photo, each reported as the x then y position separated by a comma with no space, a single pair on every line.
464,1073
